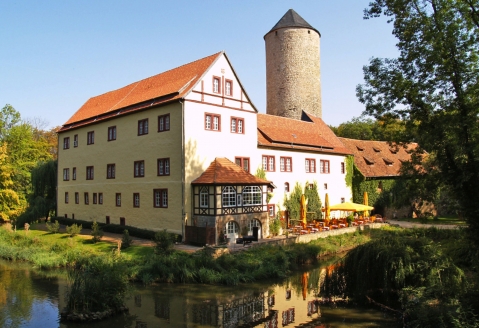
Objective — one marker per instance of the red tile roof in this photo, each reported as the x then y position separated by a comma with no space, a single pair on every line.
311,134
224,171
378,158
166,86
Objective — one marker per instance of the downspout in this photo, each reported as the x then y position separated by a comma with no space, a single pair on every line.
183,170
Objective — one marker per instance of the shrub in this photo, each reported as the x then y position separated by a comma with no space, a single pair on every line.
96,232
53,227
126,240
164,242
74,229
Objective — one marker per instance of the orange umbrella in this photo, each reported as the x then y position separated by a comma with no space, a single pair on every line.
365,202
303,209
304,284
327,211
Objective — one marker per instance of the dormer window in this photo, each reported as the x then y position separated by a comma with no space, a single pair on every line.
393,150
388,161
377,150
360,148
368,161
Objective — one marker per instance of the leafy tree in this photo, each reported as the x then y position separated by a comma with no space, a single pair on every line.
361,128
314,202
10,205
292,203
432,87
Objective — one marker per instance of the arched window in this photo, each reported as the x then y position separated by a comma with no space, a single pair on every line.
286,187
251,195
229,196
204,197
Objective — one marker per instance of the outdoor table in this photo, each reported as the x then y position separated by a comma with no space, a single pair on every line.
314,229
342,225
304,232
326,228
380,220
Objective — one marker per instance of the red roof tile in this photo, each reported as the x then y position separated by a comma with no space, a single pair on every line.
377,158
311,134
174,83
223,171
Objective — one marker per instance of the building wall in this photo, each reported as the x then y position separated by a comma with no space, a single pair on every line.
293,80
123,152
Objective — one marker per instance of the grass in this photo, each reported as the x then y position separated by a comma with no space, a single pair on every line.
449,220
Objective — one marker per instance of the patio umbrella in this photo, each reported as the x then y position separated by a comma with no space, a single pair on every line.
365,202
303,208
350,207
326,208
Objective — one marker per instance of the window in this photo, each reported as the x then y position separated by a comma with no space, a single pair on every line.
285,164
107,220
75,140
112,133
139,169
118,199
90,138
237,125
243,162
143,127
228,87
310,165
251,195
325,186
204,197
89,172
342,168
160,198
110,171
342,200
164,123
66,143
216,84
268,163
122,221
77,198
310,186
87,201
66,174
136,199
100,198
163,166
212,122
228,196
271,210
286,187
324,166
95,198
74,173
66,197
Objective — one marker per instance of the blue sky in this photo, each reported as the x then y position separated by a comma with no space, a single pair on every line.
56,54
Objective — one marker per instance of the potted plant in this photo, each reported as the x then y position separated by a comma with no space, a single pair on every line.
350,220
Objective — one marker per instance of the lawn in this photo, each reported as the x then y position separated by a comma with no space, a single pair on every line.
449,220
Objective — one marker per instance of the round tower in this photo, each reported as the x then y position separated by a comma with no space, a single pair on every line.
293,80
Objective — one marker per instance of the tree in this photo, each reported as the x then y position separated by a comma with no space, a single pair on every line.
384,128
314,202
10,205
433,88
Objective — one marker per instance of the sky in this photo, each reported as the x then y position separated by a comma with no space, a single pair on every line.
55,55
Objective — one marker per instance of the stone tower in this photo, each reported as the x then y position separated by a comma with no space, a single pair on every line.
293,80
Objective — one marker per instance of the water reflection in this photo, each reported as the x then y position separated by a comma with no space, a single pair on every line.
31,300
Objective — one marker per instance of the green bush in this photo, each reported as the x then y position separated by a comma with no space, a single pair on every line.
126,240
74,230
164,242
96,232
53,227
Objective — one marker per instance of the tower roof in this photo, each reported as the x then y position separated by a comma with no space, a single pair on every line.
292,19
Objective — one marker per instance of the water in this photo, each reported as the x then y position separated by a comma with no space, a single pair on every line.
32,299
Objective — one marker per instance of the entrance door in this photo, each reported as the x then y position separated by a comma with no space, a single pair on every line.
254,223
231,231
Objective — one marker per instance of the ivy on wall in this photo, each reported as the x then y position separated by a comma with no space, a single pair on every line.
349,170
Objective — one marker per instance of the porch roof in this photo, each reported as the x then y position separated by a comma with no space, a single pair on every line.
223,171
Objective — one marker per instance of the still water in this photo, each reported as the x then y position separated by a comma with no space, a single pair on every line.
29,298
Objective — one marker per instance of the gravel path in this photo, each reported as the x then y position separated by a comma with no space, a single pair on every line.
405,224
